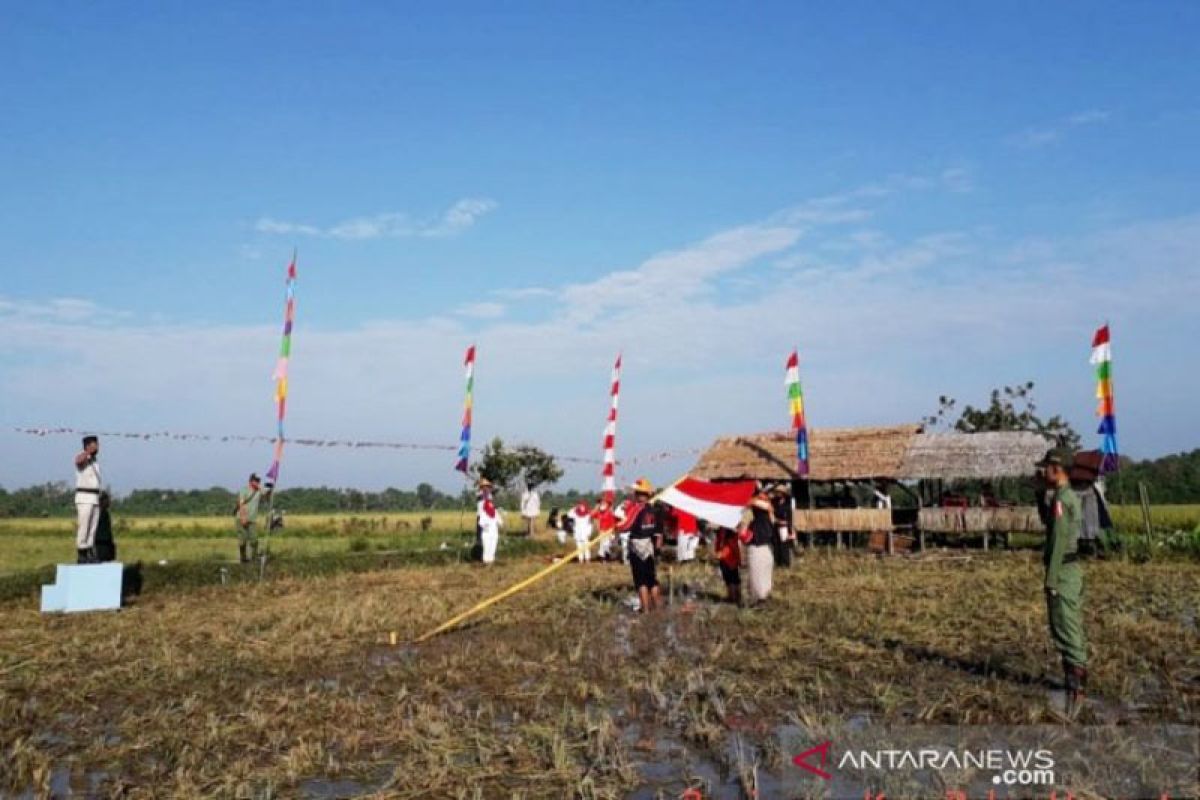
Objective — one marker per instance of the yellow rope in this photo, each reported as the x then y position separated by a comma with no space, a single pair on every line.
532,579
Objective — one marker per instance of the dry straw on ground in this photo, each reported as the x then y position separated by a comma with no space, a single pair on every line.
288,688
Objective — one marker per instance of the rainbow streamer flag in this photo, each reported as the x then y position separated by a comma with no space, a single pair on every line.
796,409
1102,359
464,441
280,376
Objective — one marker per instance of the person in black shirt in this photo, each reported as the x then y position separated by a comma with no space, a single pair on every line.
645,538
781,505
759,536
106,547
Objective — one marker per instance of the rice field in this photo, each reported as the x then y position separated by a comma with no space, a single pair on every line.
291,688
33,543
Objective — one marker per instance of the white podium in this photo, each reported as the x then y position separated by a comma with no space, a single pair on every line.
84,587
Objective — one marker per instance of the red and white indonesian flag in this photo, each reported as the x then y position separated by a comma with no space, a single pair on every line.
719,503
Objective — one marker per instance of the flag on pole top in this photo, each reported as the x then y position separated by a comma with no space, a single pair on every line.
1105,408
796,411
464,440
280,375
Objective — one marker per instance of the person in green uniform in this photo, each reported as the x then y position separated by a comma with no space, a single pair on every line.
1064,574
247,519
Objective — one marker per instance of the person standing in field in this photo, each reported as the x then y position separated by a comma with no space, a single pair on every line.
106,546
729,559
87,500
531,509
1064,575
645,538
489,521
581,517
785,535
759,537
606,523
247,519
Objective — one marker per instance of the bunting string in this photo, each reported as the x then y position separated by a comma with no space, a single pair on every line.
610,437
464,442
280,375
354,444
1105,409
796,410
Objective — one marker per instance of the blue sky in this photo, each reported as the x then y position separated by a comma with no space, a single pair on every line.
927,198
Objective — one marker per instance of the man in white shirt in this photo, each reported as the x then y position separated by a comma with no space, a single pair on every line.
87,500
531,509
582,515
490,521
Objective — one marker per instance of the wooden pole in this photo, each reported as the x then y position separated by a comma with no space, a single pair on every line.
509,592
1145,498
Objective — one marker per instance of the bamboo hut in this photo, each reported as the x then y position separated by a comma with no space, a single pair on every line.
896,454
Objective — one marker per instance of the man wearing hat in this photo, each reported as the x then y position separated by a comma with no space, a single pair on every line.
489,521
1064,574
247,518
645,538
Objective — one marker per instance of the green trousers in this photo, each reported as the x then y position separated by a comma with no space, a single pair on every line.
1065,612
247,538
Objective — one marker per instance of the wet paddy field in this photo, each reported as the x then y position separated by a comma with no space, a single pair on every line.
291,688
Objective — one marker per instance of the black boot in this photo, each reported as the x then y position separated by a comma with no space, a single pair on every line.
1076,680
80,555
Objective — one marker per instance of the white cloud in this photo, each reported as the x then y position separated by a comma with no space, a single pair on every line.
481,310
1042,135
454,220
885,323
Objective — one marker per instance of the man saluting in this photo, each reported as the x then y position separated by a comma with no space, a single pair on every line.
1064,574
87,500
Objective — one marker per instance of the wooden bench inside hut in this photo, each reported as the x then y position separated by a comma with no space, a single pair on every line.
889,486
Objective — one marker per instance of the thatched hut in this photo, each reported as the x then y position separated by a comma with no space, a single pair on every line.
894,455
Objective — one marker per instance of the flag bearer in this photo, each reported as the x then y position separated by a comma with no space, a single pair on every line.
1064,575
645,539
248,502
758,536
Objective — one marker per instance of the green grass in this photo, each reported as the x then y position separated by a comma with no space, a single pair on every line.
1167,517
27,544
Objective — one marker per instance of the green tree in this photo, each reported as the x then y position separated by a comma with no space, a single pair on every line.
537,467
1011,408
498,464
426,495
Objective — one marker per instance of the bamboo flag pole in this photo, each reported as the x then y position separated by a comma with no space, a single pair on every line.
509,592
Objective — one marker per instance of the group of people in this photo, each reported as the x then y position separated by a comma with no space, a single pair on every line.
634,531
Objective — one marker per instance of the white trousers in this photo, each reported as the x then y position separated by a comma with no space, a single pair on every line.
685,547
562,536
490,537
87,516
581,542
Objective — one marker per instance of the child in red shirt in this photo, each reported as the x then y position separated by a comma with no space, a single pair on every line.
729,557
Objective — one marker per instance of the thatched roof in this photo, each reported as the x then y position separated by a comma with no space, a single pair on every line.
834,454
1001,454
898,452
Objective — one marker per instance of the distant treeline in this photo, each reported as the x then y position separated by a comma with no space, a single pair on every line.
56,499
1170,479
